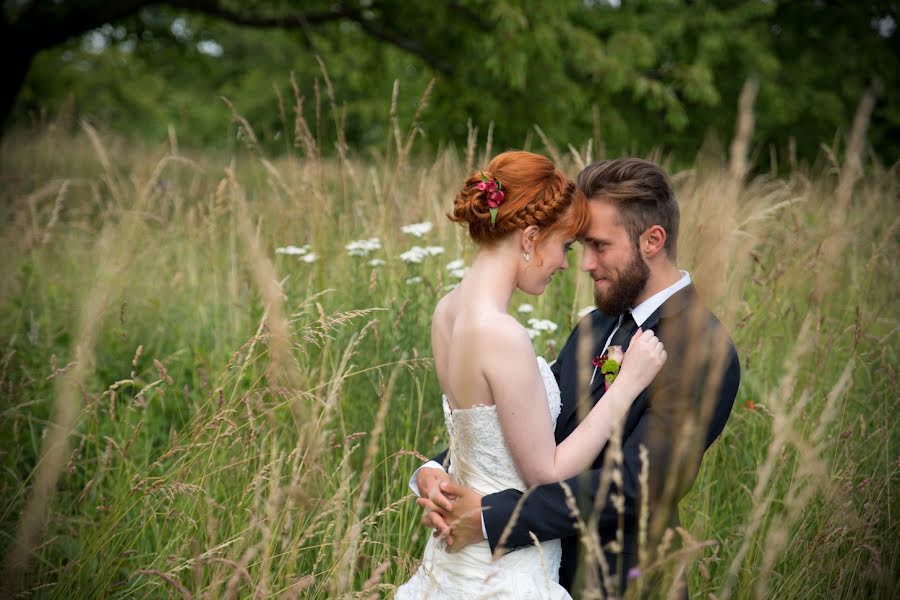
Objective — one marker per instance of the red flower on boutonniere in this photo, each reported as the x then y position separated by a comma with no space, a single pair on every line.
608,364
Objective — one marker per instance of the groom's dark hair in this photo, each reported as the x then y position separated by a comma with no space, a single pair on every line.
640,190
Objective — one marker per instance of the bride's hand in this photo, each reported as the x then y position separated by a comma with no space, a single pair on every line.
434,501
643,360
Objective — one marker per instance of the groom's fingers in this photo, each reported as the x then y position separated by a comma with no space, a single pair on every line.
434,521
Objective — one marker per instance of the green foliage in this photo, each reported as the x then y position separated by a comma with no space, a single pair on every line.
632,77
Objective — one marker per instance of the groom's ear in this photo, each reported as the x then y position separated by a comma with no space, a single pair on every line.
652,241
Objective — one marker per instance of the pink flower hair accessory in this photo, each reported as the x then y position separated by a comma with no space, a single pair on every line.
493,194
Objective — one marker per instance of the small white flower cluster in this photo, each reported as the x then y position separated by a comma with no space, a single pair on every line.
363,247
376,262
417,229
414,280
539,326
526,308
417,254
457,268
304,253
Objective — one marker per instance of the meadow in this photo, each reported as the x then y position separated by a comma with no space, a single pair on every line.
215,375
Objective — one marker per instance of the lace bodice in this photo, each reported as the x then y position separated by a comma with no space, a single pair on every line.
479,456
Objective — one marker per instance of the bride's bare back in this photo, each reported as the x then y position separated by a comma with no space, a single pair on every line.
465,331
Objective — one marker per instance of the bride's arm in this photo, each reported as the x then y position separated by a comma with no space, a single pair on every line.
511,370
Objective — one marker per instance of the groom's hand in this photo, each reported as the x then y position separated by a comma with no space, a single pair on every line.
464,518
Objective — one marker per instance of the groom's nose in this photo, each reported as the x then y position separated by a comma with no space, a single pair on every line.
588,262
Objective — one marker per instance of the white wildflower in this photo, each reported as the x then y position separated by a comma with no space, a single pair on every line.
414,255
456,265
532,333
526,308
542,324
417,254
459,273
363,247
414,280
586,311
309,258
292,250
417,229
376,262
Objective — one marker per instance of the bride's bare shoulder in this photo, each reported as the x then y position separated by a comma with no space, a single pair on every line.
481,323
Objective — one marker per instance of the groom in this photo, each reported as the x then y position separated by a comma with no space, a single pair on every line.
629,252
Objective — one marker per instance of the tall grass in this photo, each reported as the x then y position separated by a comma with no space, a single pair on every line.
187,412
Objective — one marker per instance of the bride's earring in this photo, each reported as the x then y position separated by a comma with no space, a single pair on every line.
526,256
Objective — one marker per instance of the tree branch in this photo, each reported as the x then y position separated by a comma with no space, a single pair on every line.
46,24
339,11
215,8
376,31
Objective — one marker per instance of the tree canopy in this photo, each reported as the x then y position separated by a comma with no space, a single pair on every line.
632,75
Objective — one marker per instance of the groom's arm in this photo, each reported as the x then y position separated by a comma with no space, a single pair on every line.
546,510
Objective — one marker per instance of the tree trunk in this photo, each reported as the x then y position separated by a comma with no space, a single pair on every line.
17,64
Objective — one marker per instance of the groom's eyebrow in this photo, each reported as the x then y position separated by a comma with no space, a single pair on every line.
592,240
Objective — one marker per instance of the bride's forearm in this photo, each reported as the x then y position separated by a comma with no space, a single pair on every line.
579,450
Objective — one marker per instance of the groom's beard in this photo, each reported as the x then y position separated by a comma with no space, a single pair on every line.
625,288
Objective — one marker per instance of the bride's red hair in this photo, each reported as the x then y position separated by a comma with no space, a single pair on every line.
536,194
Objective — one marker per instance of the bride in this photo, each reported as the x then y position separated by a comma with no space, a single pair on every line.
500,401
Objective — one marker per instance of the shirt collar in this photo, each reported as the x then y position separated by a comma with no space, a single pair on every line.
642,311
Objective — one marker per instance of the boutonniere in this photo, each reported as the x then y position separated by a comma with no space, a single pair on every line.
608,364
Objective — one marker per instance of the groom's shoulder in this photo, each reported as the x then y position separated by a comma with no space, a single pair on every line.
594,320
694,320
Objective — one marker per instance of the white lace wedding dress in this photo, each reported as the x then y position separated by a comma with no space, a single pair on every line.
480,459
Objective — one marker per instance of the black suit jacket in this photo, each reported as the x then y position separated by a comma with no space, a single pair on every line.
676,419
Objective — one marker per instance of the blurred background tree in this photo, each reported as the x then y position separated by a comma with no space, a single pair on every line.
631,75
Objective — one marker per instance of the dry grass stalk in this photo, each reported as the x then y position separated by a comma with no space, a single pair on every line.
740,145
549,145
100,150
282,367
347,565
488,143
838,236
54,216
245,130
471,143
173,581
811,475
782,423
234,581
67,406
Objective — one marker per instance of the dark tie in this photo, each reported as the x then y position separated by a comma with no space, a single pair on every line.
623,334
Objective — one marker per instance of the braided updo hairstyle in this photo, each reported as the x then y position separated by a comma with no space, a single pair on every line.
536,194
